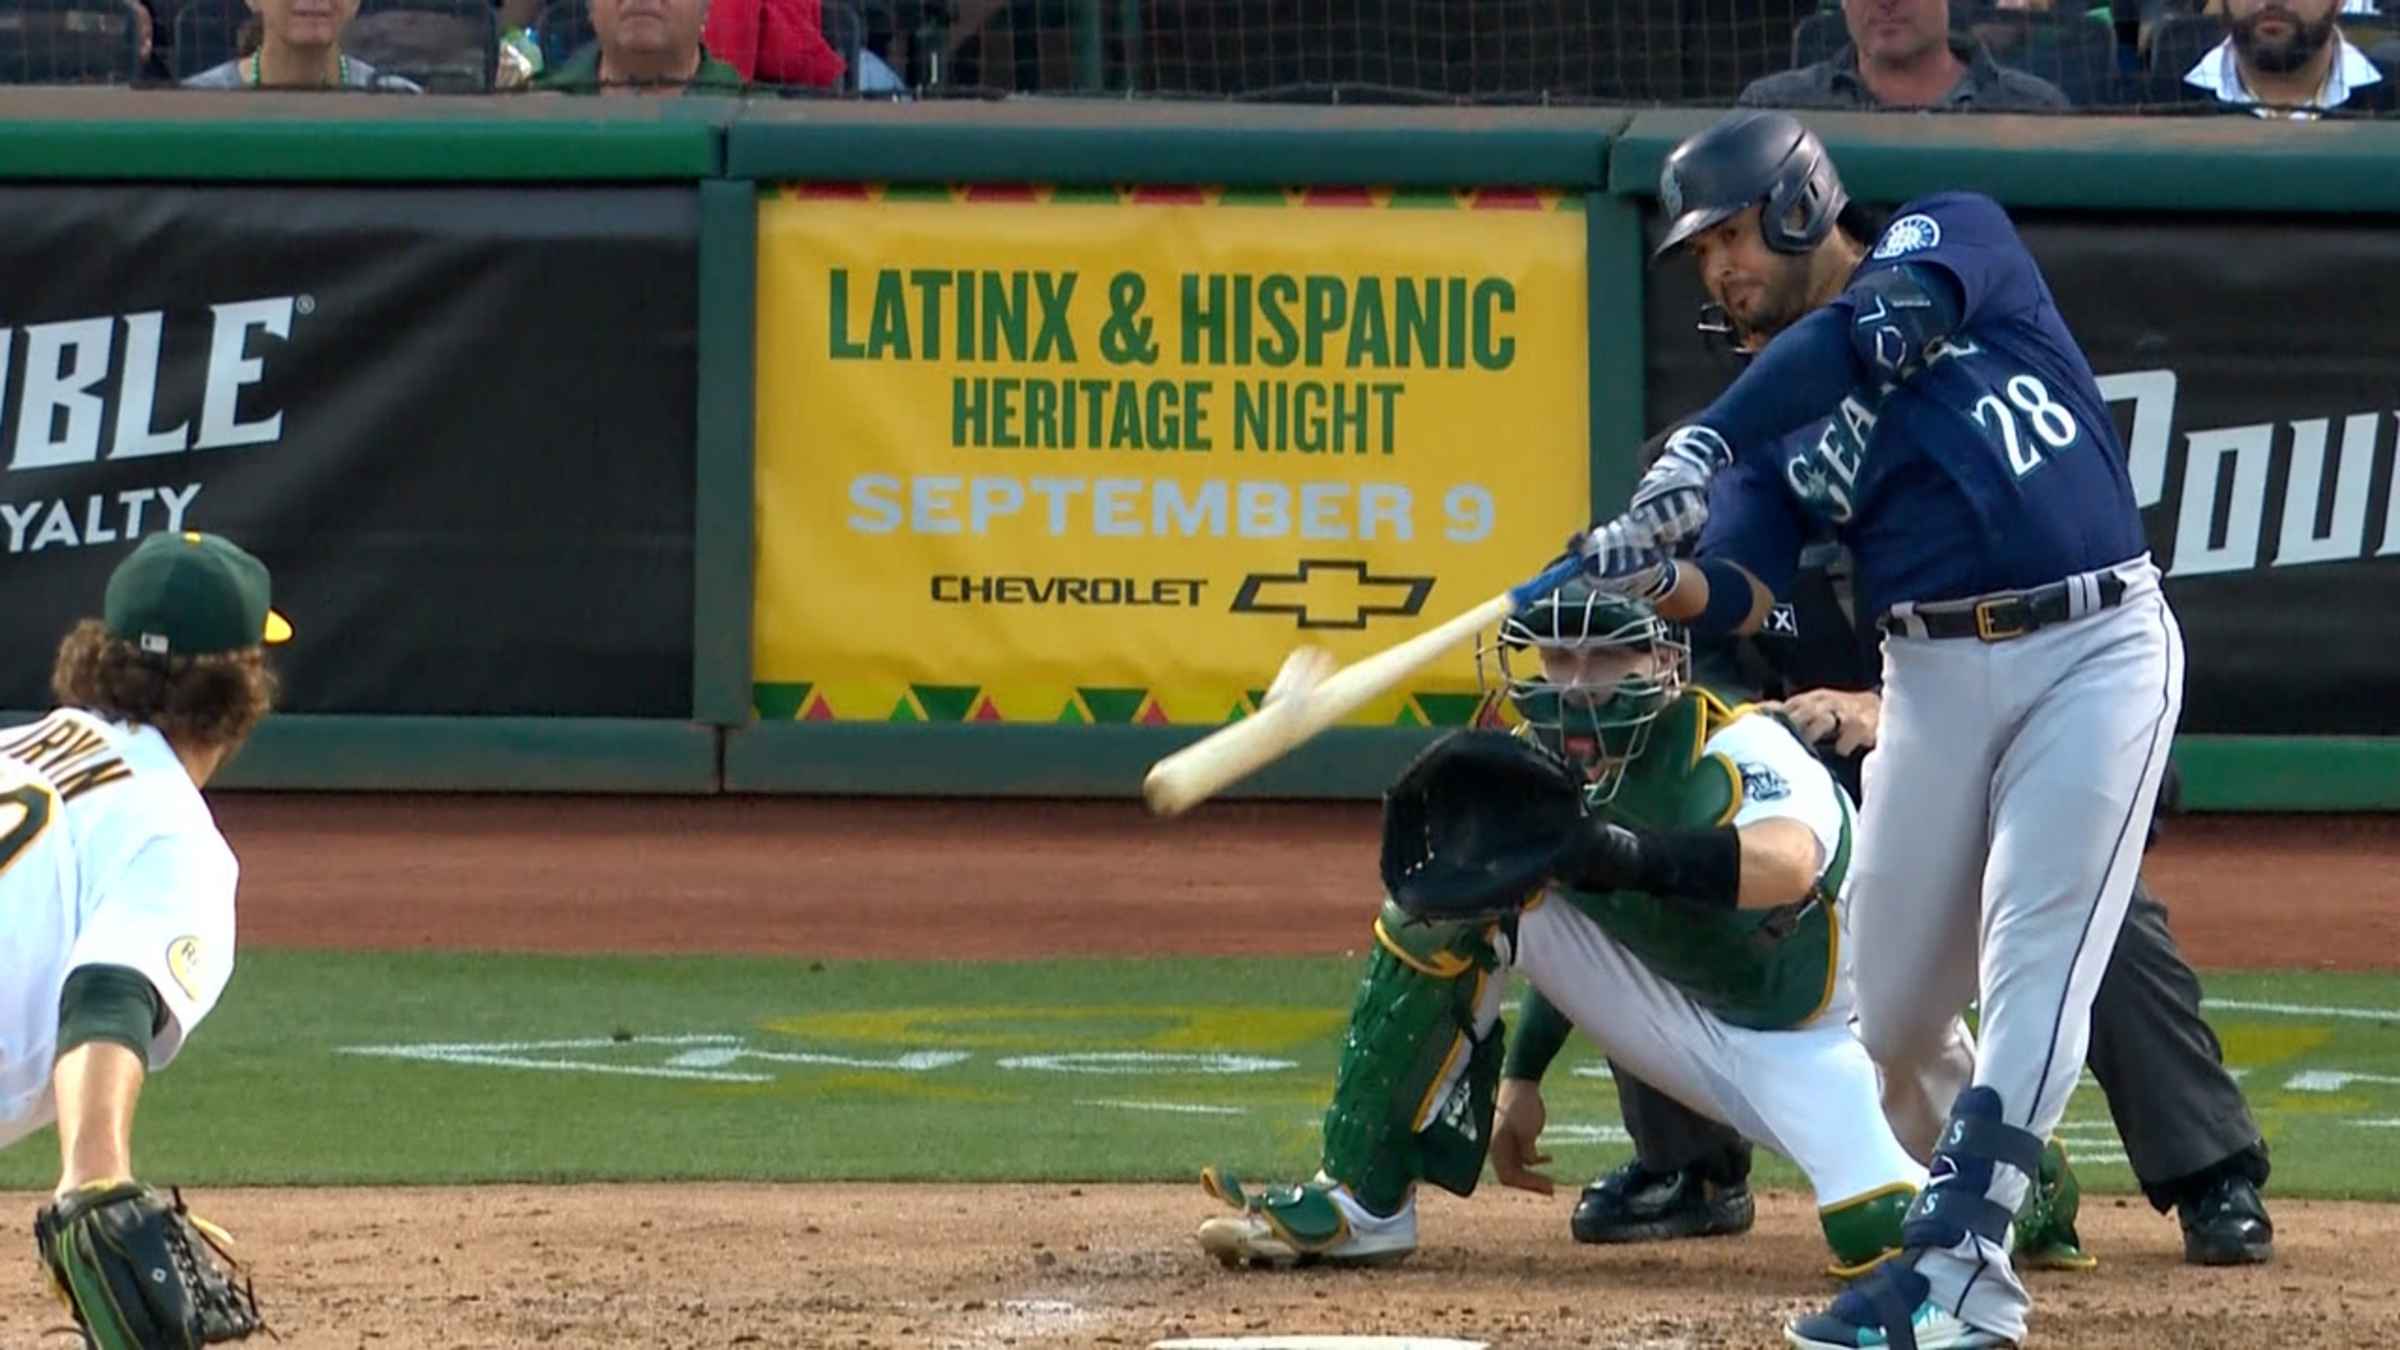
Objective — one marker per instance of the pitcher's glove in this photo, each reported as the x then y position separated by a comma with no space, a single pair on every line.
1474,826
140,1271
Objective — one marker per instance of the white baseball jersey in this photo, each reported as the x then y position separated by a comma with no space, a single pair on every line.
1781,779
108,857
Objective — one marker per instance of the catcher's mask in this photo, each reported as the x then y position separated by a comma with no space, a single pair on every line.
1588,673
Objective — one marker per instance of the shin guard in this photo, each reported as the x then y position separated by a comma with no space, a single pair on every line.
1420,1071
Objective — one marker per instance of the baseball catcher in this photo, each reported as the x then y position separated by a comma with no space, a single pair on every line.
116,892
1667,872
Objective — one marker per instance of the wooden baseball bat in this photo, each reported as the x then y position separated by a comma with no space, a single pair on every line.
1215,762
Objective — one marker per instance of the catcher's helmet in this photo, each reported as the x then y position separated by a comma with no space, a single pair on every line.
1748,158
1600,728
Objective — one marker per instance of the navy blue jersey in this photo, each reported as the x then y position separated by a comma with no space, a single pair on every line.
1994,466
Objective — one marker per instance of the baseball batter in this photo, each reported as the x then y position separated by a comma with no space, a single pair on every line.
116,889
2032,668
1694,929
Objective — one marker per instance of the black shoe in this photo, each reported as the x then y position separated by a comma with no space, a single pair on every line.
2226,1225
1632,1204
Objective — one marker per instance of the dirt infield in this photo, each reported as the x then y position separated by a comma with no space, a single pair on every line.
873,1266
840,1267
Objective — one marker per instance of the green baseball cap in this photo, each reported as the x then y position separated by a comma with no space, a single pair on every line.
190,594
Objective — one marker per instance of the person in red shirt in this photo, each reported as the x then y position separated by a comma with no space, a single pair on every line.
774,42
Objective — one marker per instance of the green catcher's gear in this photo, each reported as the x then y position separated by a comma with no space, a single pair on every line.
135,1269
1865,1229
1764,969
1420,1071
1301,1225
1473,826
1599,729
2046,1237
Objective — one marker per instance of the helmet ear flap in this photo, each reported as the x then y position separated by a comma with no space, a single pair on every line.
1807,197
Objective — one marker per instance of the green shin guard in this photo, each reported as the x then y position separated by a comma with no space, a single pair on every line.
1419,1078
1865,1229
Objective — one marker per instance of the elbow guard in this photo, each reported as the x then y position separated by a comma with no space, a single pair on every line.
108,1003
1899,314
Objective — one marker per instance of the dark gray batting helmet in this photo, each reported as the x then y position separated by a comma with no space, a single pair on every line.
1750,158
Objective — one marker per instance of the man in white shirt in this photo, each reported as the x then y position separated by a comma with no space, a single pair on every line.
116,890
2288,58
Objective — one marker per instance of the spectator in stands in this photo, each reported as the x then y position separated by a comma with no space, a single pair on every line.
297,44
148,66
645,47
2147,15
1904,54
2288,58
774,41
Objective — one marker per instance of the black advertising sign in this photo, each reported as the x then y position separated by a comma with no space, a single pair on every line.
456,423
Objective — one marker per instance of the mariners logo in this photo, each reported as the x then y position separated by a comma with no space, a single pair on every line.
1909,234
183,962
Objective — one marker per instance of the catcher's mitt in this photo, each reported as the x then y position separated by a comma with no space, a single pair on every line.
1475,824
136,1269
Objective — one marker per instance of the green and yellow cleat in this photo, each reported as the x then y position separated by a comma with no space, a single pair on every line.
1315,1221
2045,1228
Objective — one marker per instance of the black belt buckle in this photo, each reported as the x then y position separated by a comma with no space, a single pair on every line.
2003,617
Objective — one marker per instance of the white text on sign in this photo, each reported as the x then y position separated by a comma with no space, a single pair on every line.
1136,508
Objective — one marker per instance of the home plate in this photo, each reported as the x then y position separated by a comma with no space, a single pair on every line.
1318,1343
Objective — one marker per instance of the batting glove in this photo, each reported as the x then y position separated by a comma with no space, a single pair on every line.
1672,498
1625,557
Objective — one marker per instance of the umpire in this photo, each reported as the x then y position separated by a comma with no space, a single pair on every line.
2188,1134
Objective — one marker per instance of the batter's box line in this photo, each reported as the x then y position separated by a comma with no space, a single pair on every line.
2303,1009
519,1055
710,1057
1172,1108
702,1057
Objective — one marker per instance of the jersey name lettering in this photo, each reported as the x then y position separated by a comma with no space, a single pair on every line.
1825,477
74,758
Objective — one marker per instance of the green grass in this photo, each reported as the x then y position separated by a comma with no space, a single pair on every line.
268,1093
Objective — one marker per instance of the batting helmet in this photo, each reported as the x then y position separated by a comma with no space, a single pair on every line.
1600,725
1749,158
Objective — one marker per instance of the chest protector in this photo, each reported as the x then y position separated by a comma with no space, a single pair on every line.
1762,969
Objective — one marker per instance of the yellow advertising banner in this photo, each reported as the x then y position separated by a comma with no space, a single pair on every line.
1105,457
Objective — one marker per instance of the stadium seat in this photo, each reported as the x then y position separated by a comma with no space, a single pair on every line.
446,46
1817,37
68,42
1729,43
1411,50
2181,40
207,33
2075,52
844,24
563,28
1529,50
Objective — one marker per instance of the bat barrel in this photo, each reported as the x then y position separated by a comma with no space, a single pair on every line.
1215,762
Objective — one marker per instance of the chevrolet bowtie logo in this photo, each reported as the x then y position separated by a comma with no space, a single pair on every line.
1332,593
